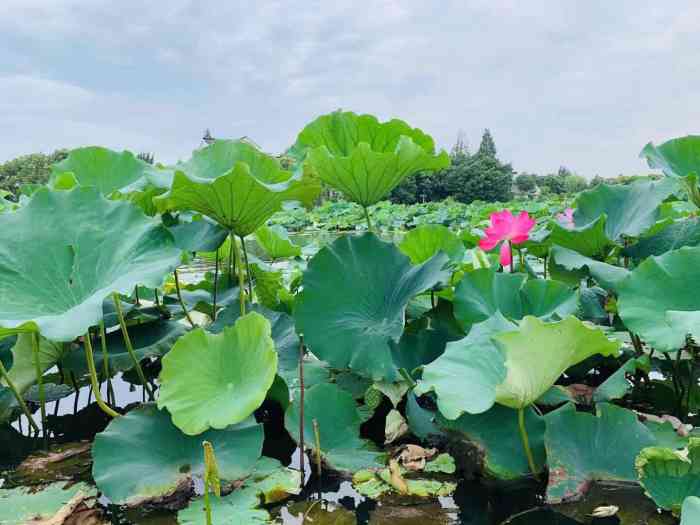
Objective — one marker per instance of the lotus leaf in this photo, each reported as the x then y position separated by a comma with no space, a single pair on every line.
482,293
58,275
364,158
690,515
617,385
198,236
376,484
659,299
425,241
420,420
630,209
339,423
23,371
495,435
354,302
583,447
676,158
589,240
21,506
217,380
275,241
142,455
607,275
273,481
670,476
235,184
676,235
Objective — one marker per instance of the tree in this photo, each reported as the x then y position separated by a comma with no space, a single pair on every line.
526,183
479,177
487,146
28,169
574,183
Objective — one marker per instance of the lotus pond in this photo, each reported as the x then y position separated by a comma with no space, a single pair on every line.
169,353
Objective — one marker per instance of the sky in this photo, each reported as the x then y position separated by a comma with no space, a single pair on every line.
580,84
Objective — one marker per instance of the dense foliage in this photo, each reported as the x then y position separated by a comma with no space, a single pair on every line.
28,169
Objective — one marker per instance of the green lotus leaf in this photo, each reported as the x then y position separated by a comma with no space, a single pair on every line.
607,275
339,423
617,385
589,240
676,235
148,340
198,236
103,168
690,513
236,185
676,157
583,447
58,275
465,377
375,484
23,371
217,380
22,505
354,302
420,420
658,301
425,241
363,158
482,293
143,456
275,241
273,481
670,476
496,436
630,209
270,288
6,345
554,347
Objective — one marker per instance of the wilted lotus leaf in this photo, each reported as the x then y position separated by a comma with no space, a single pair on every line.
354,302
275,241
575,454
659,299
425,241
363,158
22,505
235,184
87,247
217,380
142,456
670,476
339,423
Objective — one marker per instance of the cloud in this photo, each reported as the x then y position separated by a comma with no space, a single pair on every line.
584,85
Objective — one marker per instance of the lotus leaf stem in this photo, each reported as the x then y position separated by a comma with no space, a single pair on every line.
129,346
407,377
39,380
90,358
247,270
369,222
317,437
241,279
18,397
179,298
216,285
526,441
105,359
302,454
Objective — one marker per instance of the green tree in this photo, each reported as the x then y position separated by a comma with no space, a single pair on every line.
526,182
28,169
487,146
574,183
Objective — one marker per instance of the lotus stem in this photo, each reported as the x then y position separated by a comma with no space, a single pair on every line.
20,400
241,279
129,346
317,437
136,295
90,358
407,377
155,296
369,222
105,360
39,380
231,258
247,270
302,453
179,298
526,441
216,285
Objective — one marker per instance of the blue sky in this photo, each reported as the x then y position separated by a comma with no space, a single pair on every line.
581,84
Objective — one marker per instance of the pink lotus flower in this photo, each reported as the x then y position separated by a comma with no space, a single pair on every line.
509,229
566,219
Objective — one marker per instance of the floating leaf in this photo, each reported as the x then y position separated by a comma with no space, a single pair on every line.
21,506
354,302
583,447
217,380
142,455
58,275
425,241
275,241
364,158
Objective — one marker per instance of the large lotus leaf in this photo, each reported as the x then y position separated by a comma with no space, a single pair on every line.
656,289
364,158
235,184
582,448
690,514
482,293
217,380
22,505
107,170
339,423
670,476
630,210
589,240
466,375
86,248
617,385
23,371
142,455
425,241
607,275
275,241
354,302
678,234
496,435
676,157
554,347
198,236
148,340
